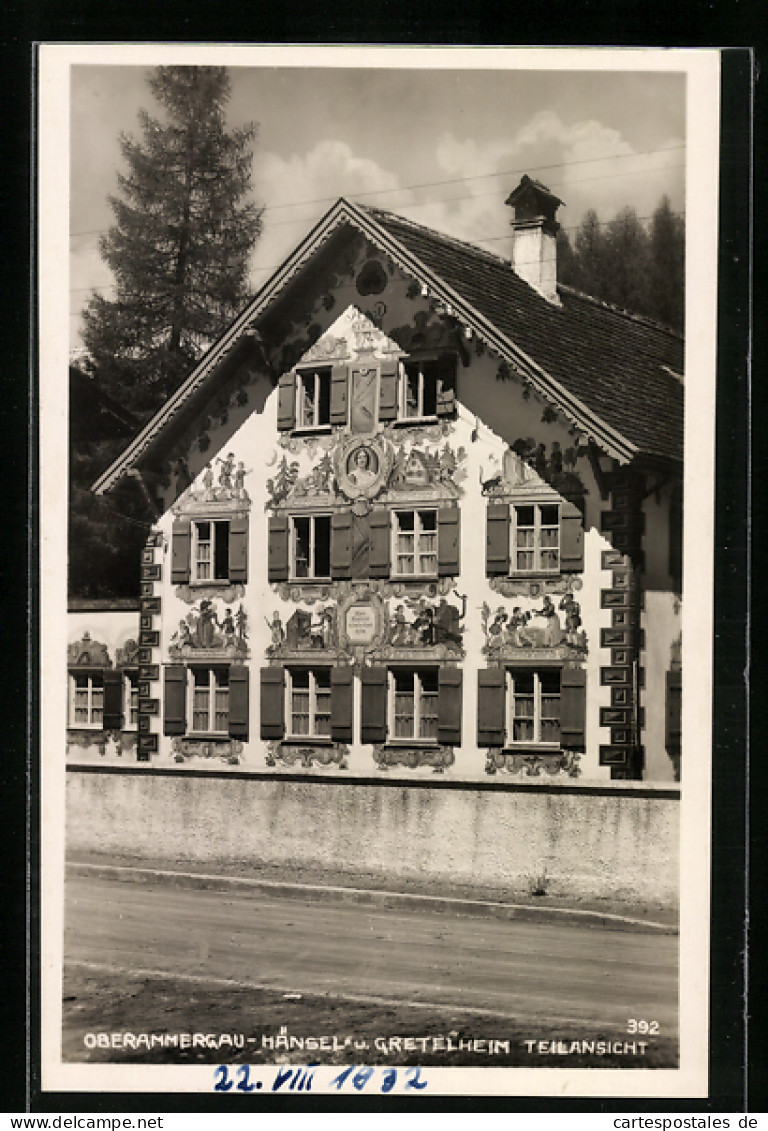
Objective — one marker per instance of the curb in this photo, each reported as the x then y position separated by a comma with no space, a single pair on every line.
373,897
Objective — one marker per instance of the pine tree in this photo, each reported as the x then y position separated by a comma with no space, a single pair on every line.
179,249
627,283
591,253
667,254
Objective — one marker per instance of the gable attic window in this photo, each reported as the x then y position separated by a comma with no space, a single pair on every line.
417,388
313,398
211,550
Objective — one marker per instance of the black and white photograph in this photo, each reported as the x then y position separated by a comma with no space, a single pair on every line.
377,600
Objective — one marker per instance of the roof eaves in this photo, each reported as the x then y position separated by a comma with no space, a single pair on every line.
216,354
614,443
365,219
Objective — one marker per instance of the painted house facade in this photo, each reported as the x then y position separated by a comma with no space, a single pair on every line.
417,511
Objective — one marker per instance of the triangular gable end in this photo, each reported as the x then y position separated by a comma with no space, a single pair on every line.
246,332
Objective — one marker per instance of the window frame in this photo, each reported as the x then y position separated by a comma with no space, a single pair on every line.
419,695
130,691
211,689
402,385
292,538
194,563
90,676
312,735
417,554
509,709
536,549
319,372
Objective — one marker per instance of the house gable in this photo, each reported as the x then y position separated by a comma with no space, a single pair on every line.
354,254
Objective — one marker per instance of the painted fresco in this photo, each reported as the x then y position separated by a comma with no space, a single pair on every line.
237,472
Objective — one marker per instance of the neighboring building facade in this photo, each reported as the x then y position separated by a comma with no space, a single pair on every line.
416,512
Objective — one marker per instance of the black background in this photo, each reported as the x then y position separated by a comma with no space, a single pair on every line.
737,1076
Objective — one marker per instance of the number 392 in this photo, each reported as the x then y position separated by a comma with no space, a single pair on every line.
646,1028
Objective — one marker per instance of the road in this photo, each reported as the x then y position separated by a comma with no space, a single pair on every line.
527,970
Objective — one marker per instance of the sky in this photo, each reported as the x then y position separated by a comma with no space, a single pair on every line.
443,147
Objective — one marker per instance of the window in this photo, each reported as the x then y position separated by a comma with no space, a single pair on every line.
313,398
412,713
309,703
130,700
417,393
535,538
210,700
533,707
415,542
210,560
311,546
87,700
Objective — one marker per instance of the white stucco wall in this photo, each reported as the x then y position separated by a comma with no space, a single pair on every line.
492,414
618,842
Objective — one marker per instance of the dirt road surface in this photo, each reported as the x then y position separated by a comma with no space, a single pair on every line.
535,973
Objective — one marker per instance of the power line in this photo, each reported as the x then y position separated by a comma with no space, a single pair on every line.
458,180
475,239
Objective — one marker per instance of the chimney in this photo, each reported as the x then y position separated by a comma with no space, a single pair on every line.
534,231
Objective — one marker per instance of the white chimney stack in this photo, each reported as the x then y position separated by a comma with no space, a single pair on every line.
534,236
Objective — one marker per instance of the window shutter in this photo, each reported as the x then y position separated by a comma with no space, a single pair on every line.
673,710
175,699
388,389
286,402
490,706
238,701
571,538
449,706
446,386
379,543
448,541
277,549
497,540
573,707
181,538
339,394
238,549
113,700
341,545
341,704
373,705
272,703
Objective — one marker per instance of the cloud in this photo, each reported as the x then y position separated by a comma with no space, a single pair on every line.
587,164
298,191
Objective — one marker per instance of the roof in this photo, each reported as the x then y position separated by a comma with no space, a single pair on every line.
611,360
612,374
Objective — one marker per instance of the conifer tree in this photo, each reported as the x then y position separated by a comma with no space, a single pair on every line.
667,252
624,262
179,248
